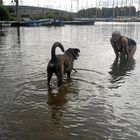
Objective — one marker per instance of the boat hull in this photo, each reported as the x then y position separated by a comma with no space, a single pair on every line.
80,22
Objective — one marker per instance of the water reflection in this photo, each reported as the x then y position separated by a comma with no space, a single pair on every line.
2,33
84,107
121,68
18,35
56,102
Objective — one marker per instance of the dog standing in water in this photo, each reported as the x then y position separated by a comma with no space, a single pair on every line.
61,64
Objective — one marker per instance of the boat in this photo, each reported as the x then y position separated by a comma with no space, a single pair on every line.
34,23
57,23
5,24
53,22
81,21
41,22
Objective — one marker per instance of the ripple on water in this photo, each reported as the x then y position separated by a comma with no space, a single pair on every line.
94,104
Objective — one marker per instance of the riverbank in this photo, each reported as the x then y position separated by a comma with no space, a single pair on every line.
35,23
118,19
47,22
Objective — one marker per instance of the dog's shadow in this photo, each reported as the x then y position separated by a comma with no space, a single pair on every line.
57,99
57,96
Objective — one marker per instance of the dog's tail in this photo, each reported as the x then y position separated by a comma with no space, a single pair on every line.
55,45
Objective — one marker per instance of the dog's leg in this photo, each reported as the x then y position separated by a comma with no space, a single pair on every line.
49,73
60,75
74,69
59,78
68,75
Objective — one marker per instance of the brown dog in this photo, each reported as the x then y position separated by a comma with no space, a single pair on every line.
61,64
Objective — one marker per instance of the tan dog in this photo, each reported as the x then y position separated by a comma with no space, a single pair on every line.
61,64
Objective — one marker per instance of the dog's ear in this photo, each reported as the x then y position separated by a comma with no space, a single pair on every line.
77,50
69,49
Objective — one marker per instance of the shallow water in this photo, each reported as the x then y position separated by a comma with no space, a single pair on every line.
100,102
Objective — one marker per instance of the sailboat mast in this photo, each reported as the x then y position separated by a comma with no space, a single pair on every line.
113,9
139,5
91,8
126,3
71,5
77,5
99,8
122,8
96,8
117,9
107,5
139,9
130,5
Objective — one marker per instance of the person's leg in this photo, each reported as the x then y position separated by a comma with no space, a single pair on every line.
123,55
132,51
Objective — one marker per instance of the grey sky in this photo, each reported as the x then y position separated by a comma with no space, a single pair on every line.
72,4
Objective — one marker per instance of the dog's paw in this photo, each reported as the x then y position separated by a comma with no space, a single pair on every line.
49,87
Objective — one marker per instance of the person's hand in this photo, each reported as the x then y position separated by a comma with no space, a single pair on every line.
117,58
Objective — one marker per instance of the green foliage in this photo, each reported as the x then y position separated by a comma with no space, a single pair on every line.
51,15
54,16
12,18
10,9
4,13
59,16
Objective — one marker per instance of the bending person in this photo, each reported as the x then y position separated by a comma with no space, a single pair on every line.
123,45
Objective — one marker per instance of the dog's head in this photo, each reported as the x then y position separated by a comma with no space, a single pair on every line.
74,51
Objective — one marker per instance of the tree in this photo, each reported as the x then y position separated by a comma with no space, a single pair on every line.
1,2
4,13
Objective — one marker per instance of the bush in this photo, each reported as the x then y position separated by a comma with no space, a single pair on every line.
4,13
51,15
12,18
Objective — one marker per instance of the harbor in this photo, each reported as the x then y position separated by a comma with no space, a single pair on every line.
31,16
